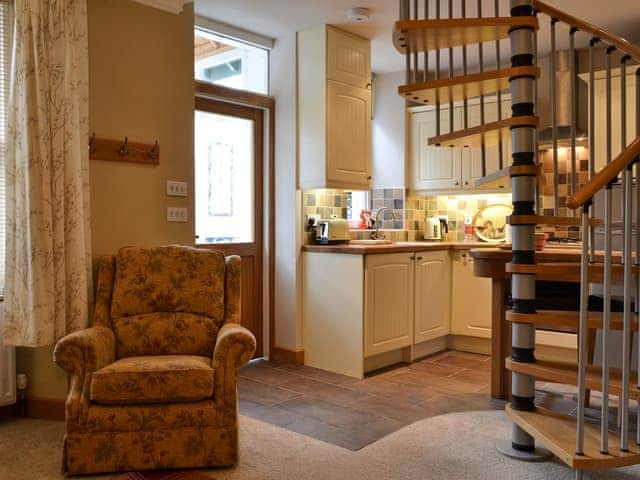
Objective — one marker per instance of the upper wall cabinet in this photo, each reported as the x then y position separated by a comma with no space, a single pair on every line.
334,109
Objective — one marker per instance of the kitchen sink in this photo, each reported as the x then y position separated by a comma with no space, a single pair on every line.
370,242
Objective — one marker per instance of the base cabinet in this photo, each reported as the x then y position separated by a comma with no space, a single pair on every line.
471,298
388,307
432,303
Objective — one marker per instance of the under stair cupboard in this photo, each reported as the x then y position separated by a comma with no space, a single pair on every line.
334,109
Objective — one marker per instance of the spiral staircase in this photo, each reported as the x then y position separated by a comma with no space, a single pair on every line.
430,30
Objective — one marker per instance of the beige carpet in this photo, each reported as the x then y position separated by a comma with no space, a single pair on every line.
449,447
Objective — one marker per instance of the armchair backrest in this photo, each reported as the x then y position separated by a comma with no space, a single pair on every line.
167,300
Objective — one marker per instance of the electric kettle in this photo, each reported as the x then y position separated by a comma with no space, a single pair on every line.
435,228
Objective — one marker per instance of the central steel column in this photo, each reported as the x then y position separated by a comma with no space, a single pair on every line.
523,146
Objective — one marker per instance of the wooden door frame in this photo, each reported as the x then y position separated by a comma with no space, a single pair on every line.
266,103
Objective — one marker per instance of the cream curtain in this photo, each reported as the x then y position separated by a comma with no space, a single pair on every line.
48,259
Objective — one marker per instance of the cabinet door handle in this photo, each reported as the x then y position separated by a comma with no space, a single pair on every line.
368,87
457,183
466,182
418,258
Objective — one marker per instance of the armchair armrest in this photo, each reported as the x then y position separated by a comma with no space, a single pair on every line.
86,351
80,354
234,347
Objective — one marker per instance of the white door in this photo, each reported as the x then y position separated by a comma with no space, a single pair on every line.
432,295
388,302
433,168
348,136
471,299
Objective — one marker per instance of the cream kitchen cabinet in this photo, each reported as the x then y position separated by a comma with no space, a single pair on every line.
389,296
471,298
432,303
448,169
334,109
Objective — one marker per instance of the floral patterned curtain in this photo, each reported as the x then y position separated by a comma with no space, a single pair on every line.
48,259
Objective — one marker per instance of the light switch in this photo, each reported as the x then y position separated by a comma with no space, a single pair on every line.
177,214
176,189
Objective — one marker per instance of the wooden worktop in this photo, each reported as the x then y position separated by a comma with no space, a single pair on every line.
396,247
547,255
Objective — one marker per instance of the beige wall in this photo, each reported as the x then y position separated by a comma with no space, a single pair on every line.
141,86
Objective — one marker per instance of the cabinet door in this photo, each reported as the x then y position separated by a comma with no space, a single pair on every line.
433,168
388,302
601,117
432,295
348,58
471,299
472,157
348,136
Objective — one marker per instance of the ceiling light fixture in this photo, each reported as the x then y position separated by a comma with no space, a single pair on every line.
359,14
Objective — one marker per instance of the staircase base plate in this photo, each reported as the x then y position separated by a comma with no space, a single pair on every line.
538,455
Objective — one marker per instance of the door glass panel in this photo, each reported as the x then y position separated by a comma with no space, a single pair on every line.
224,176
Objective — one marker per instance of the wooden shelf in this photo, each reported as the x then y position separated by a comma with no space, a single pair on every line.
567,321
502,178
469,86
557,432
551,220
556,372
488,134
425,35
569,272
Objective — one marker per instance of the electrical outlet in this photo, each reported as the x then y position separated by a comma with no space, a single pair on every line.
177,214
176,189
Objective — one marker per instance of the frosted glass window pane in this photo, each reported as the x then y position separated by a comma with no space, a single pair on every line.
224,178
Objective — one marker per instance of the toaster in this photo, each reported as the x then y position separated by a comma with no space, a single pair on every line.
332,230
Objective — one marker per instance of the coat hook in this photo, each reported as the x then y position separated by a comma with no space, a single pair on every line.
92,141
123,149
153,153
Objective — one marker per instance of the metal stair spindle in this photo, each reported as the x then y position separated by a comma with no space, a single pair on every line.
483,151
554,118
606,321
425,77
416,67
592,136
496,9
450,72
637,107
437,74
465,108
574,119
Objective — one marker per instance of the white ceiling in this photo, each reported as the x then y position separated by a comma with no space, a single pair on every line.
277,18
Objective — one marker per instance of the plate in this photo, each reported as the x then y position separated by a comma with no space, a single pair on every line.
490,222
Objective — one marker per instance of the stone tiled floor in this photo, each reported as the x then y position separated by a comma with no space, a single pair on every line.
353,413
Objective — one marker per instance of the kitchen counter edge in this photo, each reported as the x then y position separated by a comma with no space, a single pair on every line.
398,247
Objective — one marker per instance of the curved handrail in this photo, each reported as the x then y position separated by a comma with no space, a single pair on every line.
620,43
605,176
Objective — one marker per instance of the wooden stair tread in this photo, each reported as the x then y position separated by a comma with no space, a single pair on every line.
569,272
557,432
556,372
551,220
488,134
425,35
502,178
567,321
469,86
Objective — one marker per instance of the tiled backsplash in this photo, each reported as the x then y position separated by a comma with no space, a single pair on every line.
410,210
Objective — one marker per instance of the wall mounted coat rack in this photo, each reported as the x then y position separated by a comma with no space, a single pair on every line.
123,151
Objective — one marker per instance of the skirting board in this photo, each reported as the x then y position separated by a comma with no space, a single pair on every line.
45,408
285,355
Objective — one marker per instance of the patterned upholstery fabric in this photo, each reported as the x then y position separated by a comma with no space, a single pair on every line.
166,329
153,379
165,333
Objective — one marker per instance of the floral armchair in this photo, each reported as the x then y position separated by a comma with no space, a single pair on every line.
153,381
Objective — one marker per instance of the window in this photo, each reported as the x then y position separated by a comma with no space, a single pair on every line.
5,58
230,62
356,202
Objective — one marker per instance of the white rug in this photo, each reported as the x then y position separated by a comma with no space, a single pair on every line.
450,447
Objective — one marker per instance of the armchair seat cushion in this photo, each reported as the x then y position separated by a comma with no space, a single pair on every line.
153,379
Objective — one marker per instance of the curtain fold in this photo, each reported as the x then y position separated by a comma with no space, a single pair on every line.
48,248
